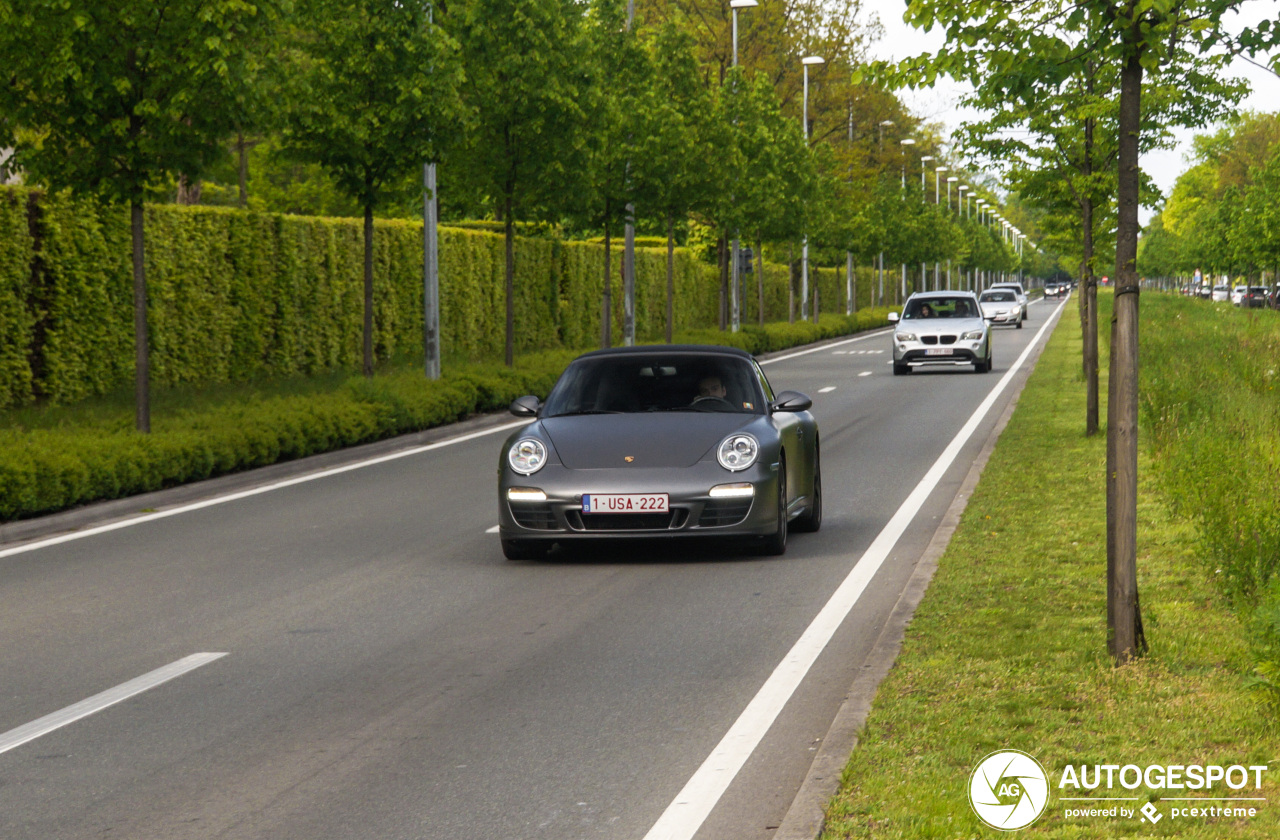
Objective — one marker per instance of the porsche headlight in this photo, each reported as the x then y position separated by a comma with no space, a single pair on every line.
737,452
527,456
972,335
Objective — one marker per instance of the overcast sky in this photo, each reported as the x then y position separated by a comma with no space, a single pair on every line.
939,103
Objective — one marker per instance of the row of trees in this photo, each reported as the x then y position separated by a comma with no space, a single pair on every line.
1078,89
1223,215
542,110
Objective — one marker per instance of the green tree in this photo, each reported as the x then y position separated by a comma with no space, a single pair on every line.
373,93
620,75
1021,47
679,130
526,89
122,97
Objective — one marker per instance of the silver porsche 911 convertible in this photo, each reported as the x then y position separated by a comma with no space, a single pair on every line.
660,441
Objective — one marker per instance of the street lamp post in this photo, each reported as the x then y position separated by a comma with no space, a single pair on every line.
960,195
735,271
924,271
882,125
982,202
807,61
902,292
950,181
937,199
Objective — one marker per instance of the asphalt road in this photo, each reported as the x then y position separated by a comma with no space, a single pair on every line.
387,674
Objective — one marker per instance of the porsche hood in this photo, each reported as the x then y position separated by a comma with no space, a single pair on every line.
666,439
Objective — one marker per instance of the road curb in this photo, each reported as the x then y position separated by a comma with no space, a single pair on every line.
806,816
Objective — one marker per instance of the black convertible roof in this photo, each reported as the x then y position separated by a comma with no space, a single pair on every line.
654,349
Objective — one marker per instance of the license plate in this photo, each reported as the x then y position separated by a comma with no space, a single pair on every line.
625,503
938,351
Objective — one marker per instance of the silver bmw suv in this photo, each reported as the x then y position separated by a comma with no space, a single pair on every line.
941,329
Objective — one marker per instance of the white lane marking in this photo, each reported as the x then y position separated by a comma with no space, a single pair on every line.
256,491
826,390
863,337
29,732
492,530
865,373
686,813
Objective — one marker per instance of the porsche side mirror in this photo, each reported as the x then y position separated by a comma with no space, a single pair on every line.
525,406
791,401
893,317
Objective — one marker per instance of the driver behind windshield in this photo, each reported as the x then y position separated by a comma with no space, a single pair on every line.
711,387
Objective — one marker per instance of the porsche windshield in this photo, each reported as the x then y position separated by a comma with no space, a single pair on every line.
662,382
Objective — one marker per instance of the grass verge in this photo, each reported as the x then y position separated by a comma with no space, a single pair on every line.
1008,650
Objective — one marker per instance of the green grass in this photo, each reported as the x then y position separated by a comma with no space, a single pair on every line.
1008,647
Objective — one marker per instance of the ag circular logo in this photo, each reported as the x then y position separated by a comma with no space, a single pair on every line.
1008,790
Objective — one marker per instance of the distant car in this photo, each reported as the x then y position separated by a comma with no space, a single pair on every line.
1237,295
1205,292
659,441
1256,297
1001,308
941,329
1221,293
1054,289
1019,291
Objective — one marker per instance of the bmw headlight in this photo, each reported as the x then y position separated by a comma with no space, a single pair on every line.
737,452
527,456
905,336
972,335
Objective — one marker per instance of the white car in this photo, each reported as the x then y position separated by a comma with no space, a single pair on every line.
941,329
1221,293
1001,307
1017,290
1237,295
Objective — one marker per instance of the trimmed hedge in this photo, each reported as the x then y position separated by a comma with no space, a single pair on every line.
47,470
16,318
237,295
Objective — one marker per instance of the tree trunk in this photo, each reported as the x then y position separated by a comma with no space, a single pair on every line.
189,191
791,283
142,359
509,232
760,278
242,169
1089,318
723,248
606,312
368,290
1124,619
671,273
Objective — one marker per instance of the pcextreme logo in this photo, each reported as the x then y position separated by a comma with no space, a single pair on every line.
1008,790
